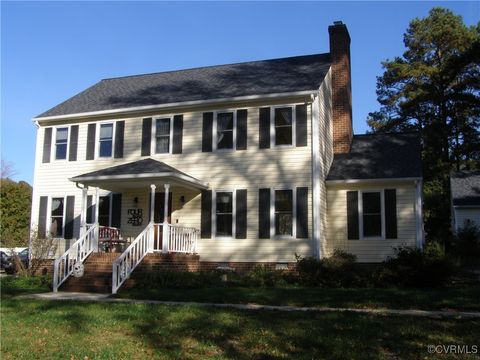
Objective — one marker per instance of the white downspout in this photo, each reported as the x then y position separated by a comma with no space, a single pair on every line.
316,179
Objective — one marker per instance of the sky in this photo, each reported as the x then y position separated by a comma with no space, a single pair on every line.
51,51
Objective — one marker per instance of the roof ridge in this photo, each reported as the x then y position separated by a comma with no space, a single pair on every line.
213,66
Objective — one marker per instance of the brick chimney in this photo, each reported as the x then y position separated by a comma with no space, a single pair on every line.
341,87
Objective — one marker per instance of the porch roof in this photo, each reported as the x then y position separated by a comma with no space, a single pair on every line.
137,174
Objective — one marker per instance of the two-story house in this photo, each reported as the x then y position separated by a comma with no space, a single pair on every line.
240,164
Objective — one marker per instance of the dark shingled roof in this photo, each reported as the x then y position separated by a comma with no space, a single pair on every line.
214,82
465,188
146,166
379,156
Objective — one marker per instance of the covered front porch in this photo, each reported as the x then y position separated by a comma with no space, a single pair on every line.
147,193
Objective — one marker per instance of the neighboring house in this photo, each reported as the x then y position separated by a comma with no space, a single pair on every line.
242,164
465,198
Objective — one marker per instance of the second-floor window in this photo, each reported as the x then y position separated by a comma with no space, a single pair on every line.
106,140
225,129
283,126
61,142
162,135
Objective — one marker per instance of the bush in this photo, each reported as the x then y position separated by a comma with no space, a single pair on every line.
412,267
466,243
261,275
175,279
338,270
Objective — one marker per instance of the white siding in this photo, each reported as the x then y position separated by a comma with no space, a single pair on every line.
370,250
464,214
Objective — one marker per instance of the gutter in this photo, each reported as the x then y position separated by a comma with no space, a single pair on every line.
184,104
366,181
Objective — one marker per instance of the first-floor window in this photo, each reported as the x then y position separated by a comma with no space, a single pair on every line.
56,216
162,134
372,214
61,141
104,211
224,213
283,212
106,140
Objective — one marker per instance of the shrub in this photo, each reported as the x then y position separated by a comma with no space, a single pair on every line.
261,275
466,243
177,279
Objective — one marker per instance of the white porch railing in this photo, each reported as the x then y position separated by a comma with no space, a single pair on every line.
176,238
124,265
78,252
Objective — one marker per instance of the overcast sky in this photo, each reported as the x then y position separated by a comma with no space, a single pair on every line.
50,51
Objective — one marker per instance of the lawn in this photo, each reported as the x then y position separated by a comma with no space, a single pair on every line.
33,329
449,298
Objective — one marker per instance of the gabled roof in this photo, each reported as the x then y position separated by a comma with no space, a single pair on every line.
379,156
137,171
465,187
293,74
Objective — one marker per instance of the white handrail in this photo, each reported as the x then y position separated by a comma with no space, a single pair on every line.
78,252
124,265
175,238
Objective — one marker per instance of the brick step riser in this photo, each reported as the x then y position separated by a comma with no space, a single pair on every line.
97,282
92,289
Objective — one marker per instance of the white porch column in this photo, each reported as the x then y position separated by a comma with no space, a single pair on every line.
166,230
151,241
97,209
83,214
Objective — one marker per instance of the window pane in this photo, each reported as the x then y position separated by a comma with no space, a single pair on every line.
371,203
225,140
104,211
106,131
283,116
283,200
225,121
56,228
224,225
61,152
162,145
224,202
283,224
372,225
106,148
225,131
62,135
283,136
57,207
163,127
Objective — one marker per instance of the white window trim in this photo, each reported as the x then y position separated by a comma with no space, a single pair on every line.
97,138
382,210
215,132
49,217
214,214
54,147
272,126
153,145
272,213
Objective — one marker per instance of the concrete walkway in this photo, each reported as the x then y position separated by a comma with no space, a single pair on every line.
94,297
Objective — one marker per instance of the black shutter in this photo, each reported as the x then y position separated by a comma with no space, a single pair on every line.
119,136
72,154
264,128
91,141
206,215
264,214
241,215
47,145
116,210
177,134
242,129
301,124
69,217
146,136
390,213
352,215
302,212
207,132
42,217
89,218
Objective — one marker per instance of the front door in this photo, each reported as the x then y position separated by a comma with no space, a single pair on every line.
158,215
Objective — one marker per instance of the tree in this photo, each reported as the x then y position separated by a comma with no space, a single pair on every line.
15,204
434,89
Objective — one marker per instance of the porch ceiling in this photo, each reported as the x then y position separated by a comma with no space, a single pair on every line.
138,174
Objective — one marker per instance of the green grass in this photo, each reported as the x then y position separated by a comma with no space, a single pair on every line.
460,298
33,329
12,286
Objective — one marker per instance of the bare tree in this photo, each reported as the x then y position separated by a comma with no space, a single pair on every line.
7,170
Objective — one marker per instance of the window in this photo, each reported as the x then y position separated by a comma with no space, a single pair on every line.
56,216
225,126
372,214
162,136
61,141
104,211
283,124
284,212
106,140
224,214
